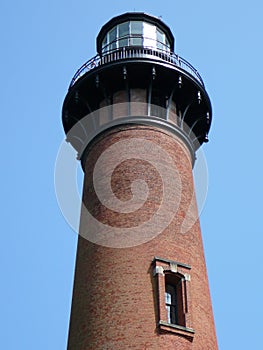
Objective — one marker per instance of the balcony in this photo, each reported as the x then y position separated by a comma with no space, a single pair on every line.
137,52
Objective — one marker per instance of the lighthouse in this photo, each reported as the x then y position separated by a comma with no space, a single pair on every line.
136,113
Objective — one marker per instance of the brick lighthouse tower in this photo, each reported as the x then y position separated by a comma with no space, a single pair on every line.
136,113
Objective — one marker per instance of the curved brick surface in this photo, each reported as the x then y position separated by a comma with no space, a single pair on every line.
114,300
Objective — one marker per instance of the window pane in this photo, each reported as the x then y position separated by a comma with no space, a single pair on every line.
112,46
173,318
173,297
123,42
123,29
136,41
168,314
113,34
112,38
160,36
149,33
160,46
171,303
104,41
167,44
160,39
136,27
168,298
104,44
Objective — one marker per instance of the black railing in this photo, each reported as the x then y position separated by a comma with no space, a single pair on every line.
136,52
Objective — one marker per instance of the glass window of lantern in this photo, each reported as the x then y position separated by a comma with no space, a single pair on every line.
160,39
149,35
123,29
136,29
167,44
104,44
113,38
123,34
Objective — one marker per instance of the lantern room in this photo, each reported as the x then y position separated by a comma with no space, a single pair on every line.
133,30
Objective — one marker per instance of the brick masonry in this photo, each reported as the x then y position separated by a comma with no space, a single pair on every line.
114,303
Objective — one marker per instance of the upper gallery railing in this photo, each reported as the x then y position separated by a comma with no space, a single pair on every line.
136,52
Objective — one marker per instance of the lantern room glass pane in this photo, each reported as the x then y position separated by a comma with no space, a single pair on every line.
136,41
123,29
113,38
123,34
149,35
136,27
104,43
123,42
136,33
160,39
167,44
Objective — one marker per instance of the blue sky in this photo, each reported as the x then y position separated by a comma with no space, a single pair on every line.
43,44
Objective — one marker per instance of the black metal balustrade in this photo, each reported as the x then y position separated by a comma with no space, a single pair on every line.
136,53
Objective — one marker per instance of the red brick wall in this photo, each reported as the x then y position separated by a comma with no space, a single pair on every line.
114,300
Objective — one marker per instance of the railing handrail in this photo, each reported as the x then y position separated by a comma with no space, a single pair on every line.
135,52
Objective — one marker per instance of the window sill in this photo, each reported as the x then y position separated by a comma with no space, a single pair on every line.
176,329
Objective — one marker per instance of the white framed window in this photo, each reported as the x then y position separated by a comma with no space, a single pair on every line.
173,297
